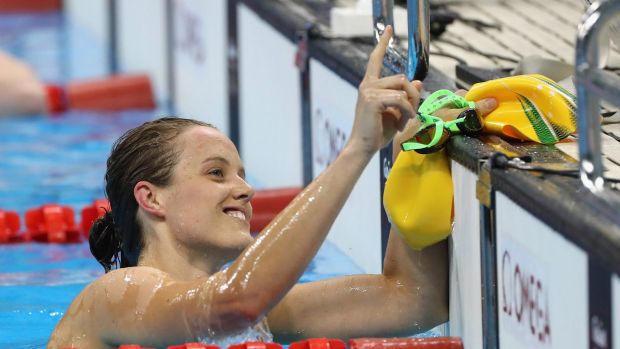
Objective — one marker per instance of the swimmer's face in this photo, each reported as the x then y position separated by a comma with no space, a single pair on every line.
208,200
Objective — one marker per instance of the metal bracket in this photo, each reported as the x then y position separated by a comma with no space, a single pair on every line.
483,184
301,54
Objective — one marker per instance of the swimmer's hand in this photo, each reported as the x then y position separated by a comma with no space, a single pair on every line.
483,108
384,105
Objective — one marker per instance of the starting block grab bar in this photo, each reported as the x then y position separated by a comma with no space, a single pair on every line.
593,84
418,20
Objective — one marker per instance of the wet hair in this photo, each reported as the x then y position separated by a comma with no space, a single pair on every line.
145,153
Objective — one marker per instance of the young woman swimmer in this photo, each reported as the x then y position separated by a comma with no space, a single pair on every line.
181,211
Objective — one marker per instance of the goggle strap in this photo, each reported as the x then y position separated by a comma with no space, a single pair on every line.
437,100
412,145
441,98
428,119
453,125
439,125
408,146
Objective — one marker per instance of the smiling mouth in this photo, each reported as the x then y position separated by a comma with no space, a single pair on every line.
236,214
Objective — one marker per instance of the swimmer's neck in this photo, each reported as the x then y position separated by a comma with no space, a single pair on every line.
179,261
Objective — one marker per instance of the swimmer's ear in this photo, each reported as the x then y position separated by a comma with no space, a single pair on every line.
146,195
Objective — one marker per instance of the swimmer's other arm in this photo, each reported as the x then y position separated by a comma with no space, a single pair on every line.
411,296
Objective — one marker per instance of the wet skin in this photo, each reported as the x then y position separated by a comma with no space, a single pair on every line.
200,221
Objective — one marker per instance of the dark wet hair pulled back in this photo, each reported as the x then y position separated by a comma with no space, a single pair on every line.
145,153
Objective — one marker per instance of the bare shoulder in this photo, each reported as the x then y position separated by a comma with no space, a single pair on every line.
118,282
120,286
103,305
111,295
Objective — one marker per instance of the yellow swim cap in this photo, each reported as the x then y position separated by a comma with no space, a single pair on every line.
418,197
529,107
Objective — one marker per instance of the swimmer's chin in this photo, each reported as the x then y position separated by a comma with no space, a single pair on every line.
243,243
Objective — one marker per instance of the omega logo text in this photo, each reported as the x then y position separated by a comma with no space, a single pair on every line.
525,300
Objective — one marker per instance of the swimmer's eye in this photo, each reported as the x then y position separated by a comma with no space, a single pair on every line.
217,172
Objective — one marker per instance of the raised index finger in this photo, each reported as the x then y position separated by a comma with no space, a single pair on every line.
375,62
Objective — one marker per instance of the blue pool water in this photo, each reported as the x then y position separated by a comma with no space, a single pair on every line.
61,159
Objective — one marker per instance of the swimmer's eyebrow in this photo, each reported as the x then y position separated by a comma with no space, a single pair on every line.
216,158
225,161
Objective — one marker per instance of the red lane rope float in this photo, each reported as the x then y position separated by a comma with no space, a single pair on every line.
108,94
112,93
318,343
30,5
267,204
56,98
407,343
91,213
52,223
9,227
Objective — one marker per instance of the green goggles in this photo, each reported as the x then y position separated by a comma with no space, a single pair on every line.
436,132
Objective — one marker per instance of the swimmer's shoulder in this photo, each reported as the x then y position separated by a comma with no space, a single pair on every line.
98,308
130,275
118,288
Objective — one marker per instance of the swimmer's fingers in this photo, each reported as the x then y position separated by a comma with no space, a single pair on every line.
400,82
394,106
460,92
486,106
448,114
483,107
375,62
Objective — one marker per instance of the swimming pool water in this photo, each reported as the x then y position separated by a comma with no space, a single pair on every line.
37,283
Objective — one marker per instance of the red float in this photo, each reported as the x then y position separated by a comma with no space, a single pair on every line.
52,223
9,227
318,343
30,5
267,204
256,345
117,92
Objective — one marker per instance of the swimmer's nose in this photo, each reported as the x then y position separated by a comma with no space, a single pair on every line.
243,191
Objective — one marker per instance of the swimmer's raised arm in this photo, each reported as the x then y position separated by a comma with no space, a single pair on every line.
268,269
410,296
